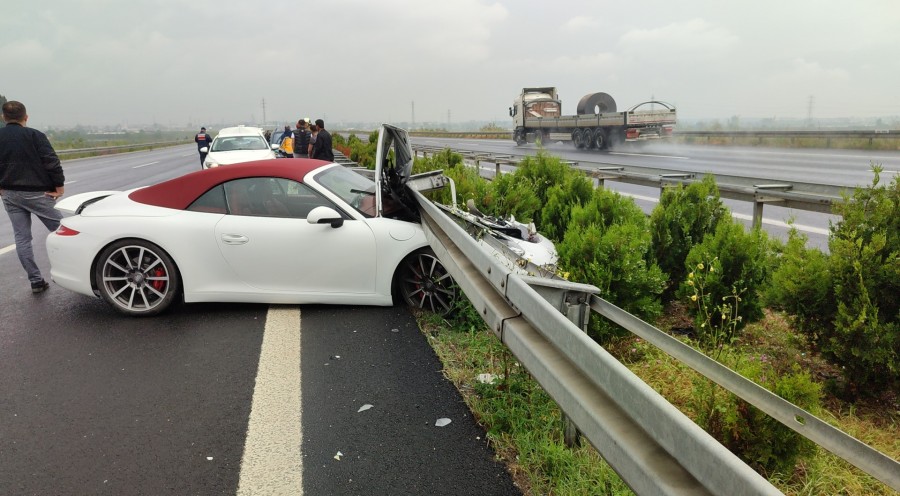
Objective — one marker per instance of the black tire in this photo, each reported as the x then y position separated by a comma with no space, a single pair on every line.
598,139
519,136
137,277
578,139
424,283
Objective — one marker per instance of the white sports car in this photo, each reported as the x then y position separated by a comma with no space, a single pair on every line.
275,231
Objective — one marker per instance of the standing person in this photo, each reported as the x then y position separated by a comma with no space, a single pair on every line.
313,132
31,179
301,139
287,142
322,149
202,139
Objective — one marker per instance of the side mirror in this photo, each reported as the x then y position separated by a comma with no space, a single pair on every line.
510,111
274,146
325,215
205,149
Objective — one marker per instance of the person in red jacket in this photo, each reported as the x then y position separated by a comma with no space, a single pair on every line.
31,179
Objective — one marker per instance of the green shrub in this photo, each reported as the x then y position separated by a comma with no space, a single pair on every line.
606,244
539,173
515,197
736,266
848,302
561,198
760,440
801,285
682,218
865,267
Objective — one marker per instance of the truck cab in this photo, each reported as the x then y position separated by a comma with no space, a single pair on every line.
535,102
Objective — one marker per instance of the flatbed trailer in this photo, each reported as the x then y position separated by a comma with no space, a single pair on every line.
598,125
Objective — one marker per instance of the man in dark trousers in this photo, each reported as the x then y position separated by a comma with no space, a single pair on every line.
202,139
322,146
31,179
301,139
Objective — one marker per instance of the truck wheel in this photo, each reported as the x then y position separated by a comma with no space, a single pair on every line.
599,139
578,139
519,136
588,137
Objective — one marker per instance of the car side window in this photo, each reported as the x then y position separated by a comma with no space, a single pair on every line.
211,202
272,197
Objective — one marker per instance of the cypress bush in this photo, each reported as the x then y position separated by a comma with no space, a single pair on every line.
682,218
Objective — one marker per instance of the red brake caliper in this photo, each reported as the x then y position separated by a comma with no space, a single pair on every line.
159,284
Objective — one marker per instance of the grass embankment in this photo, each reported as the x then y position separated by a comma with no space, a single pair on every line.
525,425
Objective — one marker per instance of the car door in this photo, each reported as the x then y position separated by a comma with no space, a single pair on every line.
393,162
276,249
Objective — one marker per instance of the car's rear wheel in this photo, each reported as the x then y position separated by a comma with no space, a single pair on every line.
425,283
136,277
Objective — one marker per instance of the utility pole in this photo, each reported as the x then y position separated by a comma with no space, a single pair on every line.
413,124
264,111
809,111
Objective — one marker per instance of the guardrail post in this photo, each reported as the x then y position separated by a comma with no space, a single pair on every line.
573,301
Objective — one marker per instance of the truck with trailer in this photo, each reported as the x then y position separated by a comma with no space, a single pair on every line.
537,116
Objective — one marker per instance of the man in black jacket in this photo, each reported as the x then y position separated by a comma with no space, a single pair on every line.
31,179
203,139
322,146
301,139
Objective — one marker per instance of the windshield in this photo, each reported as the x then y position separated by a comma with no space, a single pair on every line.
353,188
231,143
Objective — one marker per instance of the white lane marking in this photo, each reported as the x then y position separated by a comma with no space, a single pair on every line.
145,165
778,223
771,222
890,172
650,155
272,461
7,249
71,182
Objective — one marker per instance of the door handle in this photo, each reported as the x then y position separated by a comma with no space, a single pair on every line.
234,239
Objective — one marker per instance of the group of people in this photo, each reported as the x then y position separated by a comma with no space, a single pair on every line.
31,180
310,140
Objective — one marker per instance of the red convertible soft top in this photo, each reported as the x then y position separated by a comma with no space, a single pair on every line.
180,192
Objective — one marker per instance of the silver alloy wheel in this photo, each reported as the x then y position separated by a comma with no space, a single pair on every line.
136,277
426,284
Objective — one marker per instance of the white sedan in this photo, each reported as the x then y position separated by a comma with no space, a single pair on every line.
233,145
276,231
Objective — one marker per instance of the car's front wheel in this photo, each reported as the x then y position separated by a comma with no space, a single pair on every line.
425,283
136,277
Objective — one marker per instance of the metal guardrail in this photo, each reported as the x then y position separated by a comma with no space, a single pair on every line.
759,191
654,447
118,148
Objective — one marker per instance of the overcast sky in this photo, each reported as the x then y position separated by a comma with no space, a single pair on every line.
135,62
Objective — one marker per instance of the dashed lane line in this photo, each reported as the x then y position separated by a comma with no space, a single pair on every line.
272,462
145,165
7,249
